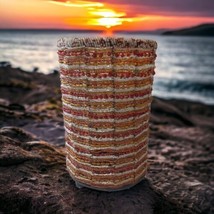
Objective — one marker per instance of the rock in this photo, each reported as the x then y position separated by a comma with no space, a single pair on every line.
48,130
5,64
37,180
182,168
33,176
55,72
4,102
199,30
16,106
35,173
167,113
43,120
35,69
28,87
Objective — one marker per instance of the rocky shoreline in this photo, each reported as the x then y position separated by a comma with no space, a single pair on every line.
33,177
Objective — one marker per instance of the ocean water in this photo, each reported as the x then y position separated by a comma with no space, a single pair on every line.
184,65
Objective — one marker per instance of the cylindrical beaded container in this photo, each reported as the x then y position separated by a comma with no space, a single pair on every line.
106,86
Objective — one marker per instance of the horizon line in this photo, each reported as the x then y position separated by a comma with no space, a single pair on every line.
100,31
75,29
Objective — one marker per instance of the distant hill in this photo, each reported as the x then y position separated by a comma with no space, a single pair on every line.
200,30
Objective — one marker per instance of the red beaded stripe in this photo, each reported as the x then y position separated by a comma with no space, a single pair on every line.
108,73
93,54
107,115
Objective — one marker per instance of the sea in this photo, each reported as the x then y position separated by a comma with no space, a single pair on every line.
184,65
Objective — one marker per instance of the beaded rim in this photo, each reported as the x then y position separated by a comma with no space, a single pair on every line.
107,42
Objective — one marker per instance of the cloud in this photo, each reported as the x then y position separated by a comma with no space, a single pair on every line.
109,13
152,7
99,13
169,7
77,3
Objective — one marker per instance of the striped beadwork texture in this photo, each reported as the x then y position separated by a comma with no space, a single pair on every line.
106,86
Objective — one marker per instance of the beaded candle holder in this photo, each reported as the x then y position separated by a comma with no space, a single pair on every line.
106,86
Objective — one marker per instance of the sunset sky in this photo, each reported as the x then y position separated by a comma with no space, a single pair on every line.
114,14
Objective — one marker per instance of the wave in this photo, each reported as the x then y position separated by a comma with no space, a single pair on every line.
186,85
184,89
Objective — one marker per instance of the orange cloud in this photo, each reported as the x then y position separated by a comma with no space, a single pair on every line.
99,14
87,4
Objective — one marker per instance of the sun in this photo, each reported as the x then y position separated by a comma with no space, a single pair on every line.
109,22
106,17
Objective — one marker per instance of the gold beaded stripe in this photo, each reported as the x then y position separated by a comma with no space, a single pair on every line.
116,183
105,94
124,168
111,178
106,151
94,53
109,186
98,85
108,104
79,83
105,134
105,186
102,61
77,148
109,115
106,61
105,52
106,89
98,179
131,61
106,124
105,160
93,182
106,143
81,96
108,169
